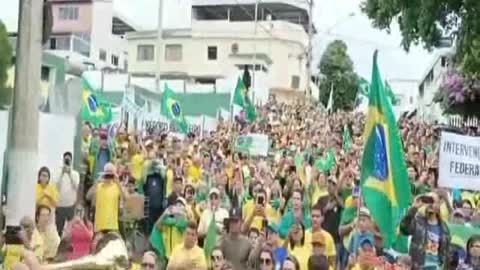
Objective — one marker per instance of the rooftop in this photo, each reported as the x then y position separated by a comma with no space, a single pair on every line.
244,10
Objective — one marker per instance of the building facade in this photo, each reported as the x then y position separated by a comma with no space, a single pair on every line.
89,33
222,40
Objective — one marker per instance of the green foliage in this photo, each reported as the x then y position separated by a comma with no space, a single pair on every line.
337,68
424,22
5,64
5,55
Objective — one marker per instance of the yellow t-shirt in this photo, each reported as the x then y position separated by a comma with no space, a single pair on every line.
136,167
194,174
169,176
330,250
302,254
107,202
42,199
181,254
272,215
51,240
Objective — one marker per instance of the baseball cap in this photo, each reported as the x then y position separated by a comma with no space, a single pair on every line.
364,212
366,240
214,191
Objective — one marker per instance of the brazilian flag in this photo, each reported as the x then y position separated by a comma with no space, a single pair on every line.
172,109
240,98
94,108
384,179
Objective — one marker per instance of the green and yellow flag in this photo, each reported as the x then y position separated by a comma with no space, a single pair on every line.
346,139
240,98
172,109
384,179
94,108
210,239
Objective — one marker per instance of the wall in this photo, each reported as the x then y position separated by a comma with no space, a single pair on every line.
50,146
82,25
408,92
285,53
102,37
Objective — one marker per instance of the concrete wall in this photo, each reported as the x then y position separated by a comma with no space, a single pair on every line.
51,146
285,47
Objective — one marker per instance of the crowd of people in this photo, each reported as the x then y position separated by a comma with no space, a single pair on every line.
290,210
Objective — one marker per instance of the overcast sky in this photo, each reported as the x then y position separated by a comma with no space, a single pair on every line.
342,19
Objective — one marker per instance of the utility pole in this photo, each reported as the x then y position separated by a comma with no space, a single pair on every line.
158,49
254,51
23,135
308,89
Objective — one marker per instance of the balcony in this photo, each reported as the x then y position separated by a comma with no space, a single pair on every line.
74,43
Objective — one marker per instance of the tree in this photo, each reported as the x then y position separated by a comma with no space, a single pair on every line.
5,64
428,21
5,55
337,68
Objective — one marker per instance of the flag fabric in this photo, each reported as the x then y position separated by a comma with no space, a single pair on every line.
210,239
363,87
461,233
156,240
346,139
240,98
172,109
93,108
330,100
384,179
391,96
326,164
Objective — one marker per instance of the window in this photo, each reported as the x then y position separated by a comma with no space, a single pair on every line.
421,89
295,82
45,74
173,52
60,43
114,60
103,55
205,80
145,52
212,52
53,44
68,13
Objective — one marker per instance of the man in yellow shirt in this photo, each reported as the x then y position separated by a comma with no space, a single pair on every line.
194,171
107,194
329,244
188,255
257,210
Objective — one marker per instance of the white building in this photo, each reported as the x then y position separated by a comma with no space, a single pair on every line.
89,33
222,41
418,94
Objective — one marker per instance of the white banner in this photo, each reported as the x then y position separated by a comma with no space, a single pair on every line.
459,162
252,144
157,123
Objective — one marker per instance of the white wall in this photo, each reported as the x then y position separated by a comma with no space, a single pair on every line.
102,37
407,90
285,48
3,140
51,146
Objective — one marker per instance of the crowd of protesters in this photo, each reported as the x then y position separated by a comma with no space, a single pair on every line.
282,211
